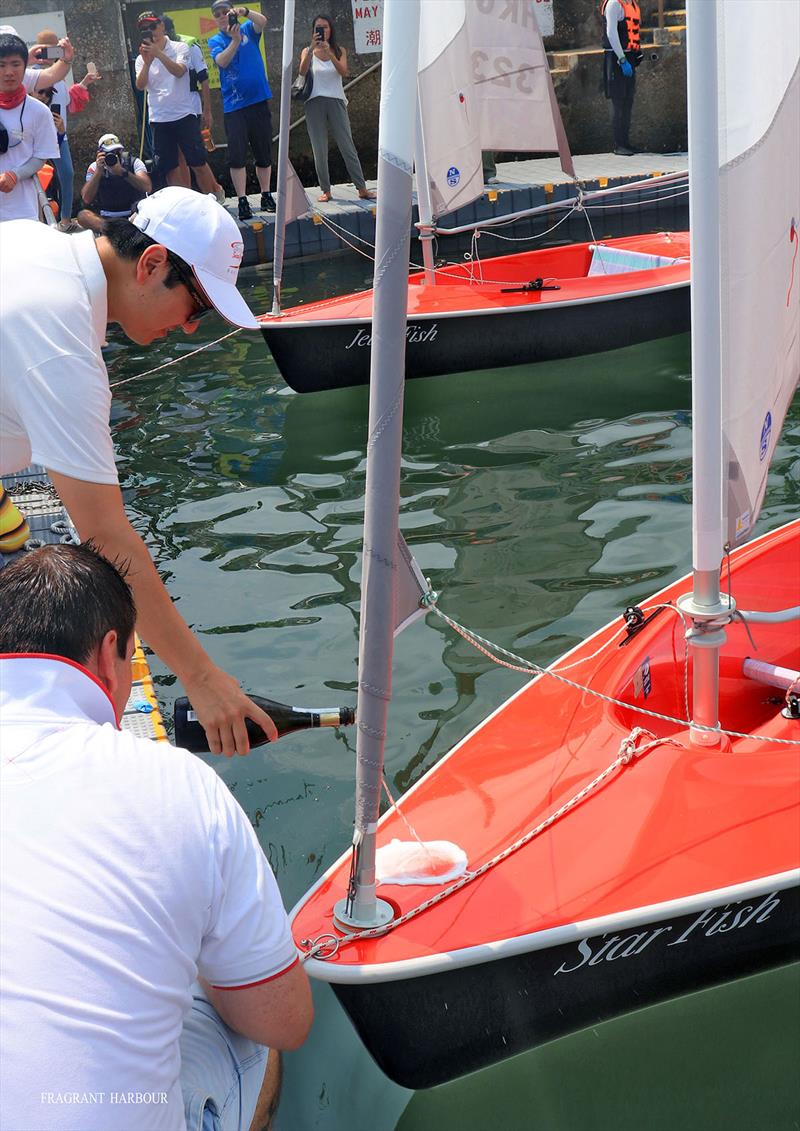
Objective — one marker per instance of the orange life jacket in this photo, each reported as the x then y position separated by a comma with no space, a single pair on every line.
628,26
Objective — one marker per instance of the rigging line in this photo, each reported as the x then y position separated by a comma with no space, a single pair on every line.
628,752
175,360
486,647
637,203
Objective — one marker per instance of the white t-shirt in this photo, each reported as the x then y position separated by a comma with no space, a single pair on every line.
169,98
54,396
31,133
60,92
127,869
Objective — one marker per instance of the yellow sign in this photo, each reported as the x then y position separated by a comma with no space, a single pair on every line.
198,23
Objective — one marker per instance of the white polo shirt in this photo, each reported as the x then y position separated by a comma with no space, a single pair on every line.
31,133
126,868
54,396
169,98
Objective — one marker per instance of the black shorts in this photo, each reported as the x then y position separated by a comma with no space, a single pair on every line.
169,137
253,124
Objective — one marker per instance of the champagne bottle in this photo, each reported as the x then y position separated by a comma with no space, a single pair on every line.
189,733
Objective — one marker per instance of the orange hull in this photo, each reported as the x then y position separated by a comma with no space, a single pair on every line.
680,828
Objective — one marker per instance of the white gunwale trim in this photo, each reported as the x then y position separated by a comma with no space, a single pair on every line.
552,937
314,966
283,323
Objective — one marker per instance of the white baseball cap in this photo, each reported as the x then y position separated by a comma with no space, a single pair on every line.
204,235
110,141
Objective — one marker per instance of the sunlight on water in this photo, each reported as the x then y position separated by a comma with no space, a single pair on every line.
540,502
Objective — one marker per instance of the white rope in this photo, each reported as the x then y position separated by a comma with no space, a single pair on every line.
628,751
174,360
481,644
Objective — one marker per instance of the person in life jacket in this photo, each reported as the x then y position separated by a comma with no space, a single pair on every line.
621,43
115,183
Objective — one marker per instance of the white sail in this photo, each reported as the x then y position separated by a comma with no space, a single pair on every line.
759,157
484,83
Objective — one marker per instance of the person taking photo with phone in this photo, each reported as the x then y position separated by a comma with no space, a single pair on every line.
326,109
246,93
27,135
162,69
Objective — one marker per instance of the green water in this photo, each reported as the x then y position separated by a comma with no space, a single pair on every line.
540,502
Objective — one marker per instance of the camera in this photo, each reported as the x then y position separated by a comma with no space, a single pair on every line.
146,37
112,159
233,19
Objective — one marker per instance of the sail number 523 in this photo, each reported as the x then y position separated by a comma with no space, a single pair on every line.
501,71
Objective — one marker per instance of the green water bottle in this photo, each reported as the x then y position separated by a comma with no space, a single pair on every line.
189,733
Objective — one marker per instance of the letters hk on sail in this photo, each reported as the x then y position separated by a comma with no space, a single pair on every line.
759,194
484,84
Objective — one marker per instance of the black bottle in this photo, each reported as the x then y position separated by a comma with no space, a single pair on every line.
190,735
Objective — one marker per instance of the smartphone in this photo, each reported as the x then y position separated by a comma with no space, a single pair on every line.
233,19
319,34
91,69
55,107
50,54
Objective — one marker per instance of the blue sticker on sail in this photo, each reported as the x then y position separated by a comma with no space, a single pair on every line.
453,176
766,432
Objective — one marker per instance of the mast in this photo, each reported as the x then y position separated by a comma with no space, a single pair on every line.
283,154
425,207
396,134
705,603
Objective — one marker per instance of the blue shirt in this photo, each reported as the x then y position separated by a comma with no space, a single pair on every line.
244,80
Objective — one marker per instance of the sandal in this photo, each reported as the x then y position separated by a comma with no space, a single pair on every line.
366,194
324,197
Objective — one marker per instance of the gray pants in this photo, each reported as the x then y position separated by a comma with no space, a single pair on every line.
322,113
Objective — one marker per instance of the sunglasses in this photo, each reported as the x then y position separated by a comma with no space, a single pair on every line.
185,275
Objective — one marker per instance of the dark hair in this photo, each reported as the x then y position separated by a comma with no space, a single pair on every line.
13,45
129,243
169,27
62,600
334,46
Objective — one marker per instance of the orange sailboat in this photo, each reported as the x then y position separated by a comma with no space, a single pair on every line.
626,828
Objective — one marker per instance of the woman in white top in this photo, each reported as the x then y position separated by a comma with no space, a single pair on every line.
327,106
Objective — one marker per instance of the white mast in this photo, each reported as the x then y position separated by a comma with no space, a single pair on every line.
396,136
705,604
283,154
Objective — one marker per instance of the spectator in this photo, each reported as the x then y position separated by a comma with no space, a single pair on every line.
27,135
621,43
115,183
236,49
71,101
177,258
327,106
201,96
144,873
162,69
36,78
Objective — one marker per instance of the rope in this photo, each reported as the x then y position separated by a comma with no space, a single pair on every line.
174,360
482,645
629,750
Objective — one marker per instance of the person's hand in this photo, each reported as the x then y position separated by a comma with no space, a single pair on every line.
147,52
100,161
235,33
59,123
242,12
89,78
208,121
117,170
626,68
221,706
35,54
69,50
8,181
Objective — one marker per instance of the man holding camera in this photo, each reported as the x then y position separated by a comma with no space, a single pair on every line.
236,49
162,69
115,183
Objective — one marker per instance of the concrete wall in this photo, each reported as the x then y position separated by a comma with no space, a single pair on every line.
105,32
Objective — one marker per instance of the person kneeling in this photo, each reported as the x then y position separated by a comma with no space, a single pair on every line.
115,183
147,956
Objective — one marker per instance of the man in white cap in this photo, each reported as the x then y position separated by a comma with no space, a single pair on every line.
176,259
116,181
